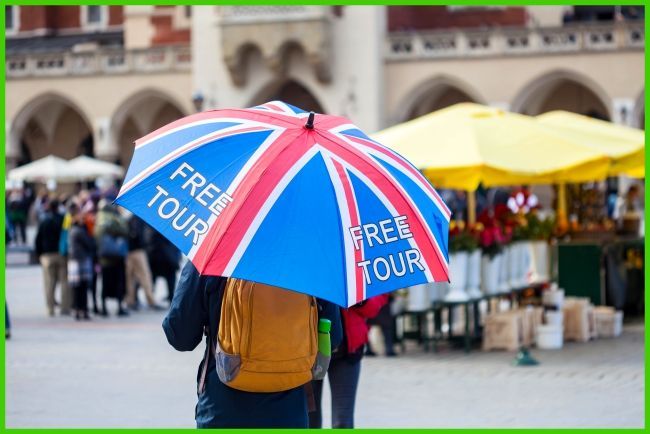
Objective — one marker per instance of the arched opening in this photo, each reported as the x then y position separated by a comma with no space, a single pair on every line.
439,98
435,94
139,115
291,92
563,91
246,59
51,125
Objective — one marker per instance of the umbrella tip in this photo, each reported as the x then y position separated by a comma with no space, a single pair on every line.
310,121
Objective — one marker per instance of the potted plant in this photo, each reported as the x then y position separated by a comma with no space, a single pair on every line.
474,260
502,220
459,244
519,259
491,241
540,232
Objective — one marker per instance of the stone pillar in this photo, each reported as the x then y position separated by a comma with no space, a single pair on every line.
12,147
106,147
623,111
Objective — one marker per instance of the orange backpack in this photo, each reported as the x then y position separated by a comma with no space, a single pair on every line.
267,339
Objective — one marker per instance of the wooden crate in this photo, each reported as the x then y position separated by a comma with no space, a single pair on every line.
608,323
578,319
503,331
531,318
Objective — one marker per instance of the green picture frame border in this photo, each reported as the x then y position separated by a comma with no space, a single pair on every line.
308,2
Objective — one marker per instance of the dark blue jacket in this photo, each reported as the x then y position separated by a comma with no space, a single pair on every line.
197,303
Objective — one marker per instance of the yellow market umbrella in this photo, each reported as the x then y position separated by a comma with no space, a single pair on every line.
624,145
467,144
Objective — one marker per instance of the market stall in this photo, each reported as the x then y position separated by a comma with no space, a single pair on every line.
507,253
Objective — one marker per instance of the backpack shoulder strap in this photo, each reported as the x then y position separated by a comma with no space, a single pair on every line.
210,348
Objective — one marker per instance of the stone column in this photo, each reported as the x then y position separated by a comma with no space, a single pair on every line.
106,148
12,147
623,111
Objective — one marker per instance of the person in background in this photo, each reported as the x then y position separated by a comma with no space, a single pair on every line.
65,227
89,210
40,205
386,321
9,229
137,266
18,209
628,204
7,322
111,234
164,259
46,247
81,249
633,202
8,236
345,365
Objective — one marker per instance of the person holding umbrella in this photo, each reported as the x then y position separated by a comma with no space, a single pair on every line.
274,197
194,311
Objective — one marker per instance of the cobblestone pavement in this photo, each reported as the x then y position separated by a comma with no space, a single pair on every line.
122,373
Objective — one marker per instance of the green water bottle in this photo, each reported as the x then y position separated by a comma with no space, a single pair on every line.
324,343
324,350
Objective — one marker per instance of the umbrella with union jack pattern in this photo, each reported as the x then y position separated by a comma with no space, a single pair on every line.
297,200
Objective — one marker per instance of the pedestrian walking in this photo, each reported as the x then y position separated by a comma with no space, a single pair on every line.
18,209
198,306
46,247
164,259
345,365
386,321
137,266
40,205
111,234
89,210
8,236
81,249
7,322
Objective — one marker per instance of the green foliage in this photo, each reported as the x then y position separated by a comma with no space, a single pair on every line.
540,229
463,242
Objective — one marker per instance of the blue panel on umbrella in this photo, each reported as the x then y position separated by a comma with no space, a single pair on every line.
357,133
218,162
435,219
295,109
388,260
148,154
299,244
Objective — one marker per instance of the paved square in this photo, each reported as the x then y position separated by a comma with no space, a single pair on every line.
122,373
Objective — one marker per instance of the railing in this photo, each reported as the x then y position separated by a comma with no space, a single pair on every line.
514,41
261,14
111,61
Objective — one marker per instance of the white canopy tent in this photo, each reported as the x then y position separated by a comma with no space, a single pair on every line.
54,169
46,169
87,168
